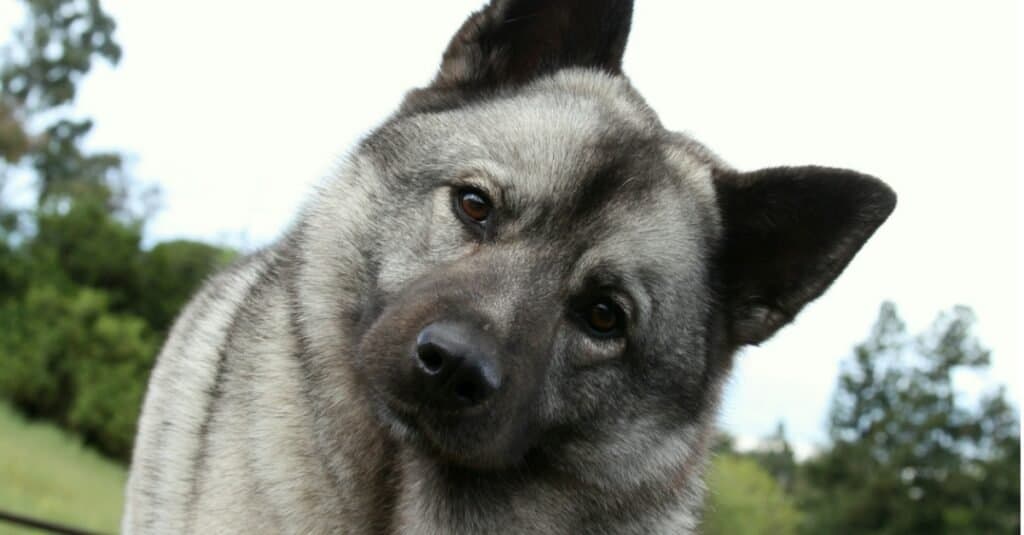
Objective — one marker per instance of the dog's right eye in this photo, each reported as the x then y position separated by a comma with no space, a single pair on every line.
603,318
472,206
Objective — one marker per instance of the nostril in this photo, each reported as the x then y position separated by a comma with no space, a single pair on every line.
431,358
455,365
467,392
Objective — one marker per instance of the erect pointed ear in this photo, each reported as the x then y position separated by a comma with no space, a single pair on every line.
509,42
789,232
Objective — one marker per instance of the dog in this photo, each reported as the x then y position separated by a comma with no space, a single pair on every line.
511,310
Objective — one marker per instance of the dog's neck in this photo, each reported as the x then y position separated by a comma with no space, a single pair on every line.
541,498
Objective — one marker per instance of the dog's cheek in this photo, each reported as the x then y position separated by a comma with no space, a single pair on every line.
574,393
423,236
589,351
446,236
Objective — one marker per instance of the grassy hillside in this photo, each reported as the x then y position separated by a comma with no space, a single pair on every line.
47,474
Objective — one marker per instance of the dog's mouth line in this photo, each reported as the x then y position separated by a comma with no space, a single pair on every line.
407,416
393,405
421,419
430,442
416,411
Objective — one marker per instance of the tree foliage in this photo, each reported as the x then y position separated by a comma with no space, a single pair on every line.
744,498
775,455
55,49
910,453
83,305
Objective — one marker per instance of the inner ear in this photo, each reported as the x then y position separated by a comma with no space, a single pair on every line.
789,232
510,42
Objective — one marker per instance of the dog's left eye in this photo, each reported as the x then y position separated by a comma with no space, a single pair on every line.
473,205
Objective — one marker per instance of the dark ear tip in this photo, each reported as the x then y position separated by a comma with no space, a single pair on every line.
889,197
874,196
879,199
876,199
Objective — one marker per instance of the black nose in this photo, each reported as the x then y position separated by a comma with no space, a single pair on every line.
456,364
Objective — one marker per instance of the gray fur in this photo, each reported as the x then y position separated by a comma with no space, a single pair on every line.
277,403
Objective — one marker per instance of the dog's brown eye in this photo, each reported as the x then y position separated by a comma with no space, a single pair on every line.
474,205
603,318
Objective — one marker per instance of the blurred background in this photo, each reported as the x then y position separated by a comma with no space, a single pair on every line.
144,145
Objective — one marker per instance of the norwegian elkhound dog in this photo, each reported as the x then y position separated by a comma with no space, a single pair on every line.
511,311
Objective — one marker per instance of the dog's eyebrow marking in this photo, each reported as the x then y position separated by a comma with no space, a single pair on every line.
614,178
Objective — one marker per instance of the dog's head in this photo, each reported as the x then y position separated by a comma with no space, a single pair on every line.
529,262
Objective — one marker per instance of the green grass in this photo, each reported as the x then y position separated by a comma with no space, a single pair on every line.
47,474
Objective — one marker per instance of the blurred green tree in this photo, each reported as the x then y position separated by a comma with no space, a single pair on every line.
67,357
169,274
42,67
909,453
55,49
743,498
775,454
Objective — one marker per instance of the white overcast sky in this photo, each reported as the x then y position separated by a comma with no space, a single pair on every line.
235,108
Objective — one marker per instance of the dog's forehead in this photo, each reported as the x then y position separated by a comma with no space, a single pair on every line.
577,150
577,130
582,149
556,133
